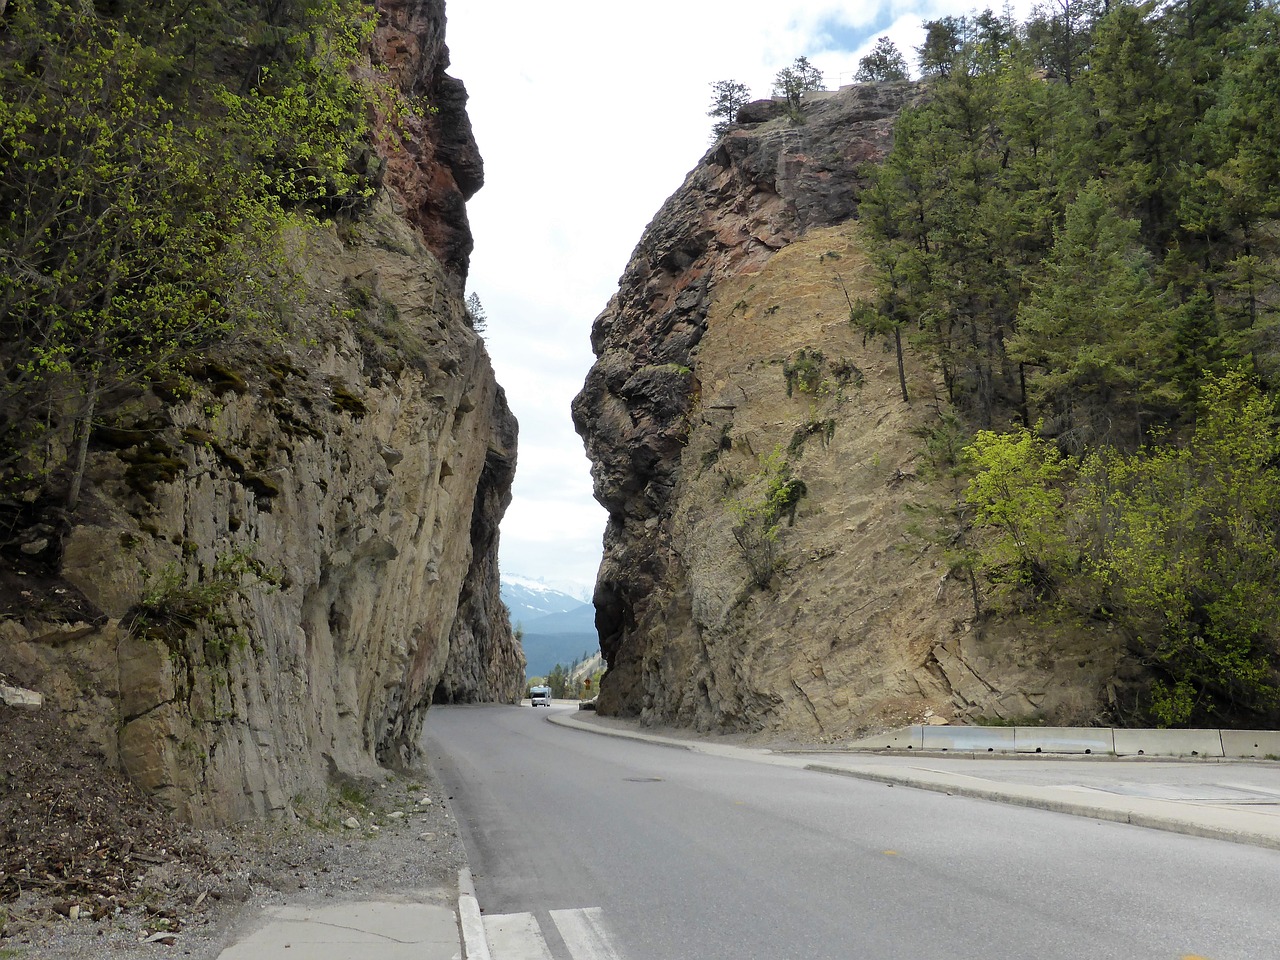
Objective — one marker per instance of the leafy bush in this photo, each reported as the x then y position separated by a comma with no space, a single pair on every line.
1175,544
146,201
768,496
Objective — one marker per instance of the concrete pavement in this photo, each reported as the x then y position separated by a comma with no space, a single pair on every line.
422,927
1234,800
353,931
1223,799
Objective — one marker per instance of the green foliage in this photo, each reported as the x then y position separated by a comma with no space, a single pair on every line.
803,370
727,98
1186,545
302,128
768,496
1016,488
173,604
793,82
884,62
1175,544
146,201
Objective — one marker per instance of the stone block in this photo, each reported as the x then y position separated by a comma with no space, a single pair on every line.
20,697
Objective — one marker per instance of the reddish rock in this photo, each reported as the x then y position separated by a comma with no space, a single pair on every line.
432,160
753,193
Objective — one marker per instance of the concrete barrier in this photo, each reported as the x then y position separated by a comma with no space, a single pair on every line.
1251,743
1168,743
1063,740
1096,741
904,738
969,739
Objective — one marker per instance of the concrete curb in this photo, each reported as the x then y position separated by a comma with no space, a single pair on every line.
1029,798
474,944
572,723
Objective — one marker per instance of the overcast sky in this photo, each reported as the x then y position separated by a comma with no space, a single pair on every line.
588,116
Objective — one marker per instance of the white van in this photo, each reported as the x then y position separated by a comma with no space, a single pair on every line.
539,696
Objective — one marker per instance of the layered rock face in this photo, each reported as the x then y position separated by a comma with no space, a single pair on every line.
272,576
728,368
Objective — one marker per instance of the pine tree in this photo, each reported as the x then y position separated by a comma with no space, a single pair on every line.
793,82
1095,331
727,98
883,63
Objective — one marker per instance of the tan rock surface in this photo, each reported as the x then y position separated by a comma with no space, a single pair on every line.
270,579
729,341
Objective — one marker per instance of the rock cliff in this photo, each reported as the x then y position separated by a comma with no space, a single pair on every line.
730,378
277,567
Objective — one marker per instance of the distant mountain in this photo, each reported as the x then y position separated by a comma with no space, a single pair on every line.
559,638
530,600
543,651
557,627
581,619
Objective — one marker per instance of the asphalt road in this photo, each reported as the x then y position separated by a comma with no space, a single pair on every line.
682,856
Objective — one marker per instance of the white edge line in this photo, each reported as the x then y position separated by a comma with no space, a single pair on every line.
584,933
475,946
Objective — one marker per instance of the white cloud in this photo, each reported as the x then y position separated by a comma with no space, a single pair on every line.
588,116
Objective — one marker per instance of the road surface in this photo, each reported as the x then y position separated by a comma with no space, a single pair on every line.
585,847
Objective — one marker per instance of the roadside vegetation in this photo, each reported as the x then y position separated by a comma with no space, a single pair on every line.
1080,226
151,205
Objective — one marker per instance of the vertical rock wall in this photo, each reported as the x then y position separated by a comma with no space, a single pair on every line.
727,347
344,482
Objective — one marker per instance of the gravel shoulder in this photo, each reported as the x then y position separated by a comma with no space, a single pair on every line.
87,865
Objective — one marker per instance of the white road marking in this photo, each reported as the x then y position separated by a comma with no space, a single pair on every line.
584,934
515,936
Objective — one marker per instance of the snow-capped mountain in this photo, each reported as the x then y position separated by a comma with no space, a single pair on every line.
529,599
557,626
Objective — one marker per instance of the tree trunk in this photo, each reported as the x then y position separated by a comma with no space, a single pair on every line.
902,374
84,427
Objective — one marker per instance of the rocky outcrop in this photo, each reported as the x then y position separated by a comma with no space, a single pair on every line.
277,567
726,362
432,162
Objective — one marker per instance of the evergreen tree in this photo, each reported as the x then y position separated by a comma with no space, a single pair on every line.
793,82
1143,126
727,98
884,62
1059,36
943,41
475,312
1233,199
1095,331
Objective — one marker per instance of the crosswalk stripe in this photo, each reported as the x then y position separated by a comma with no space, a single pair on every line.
584,934
515,936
